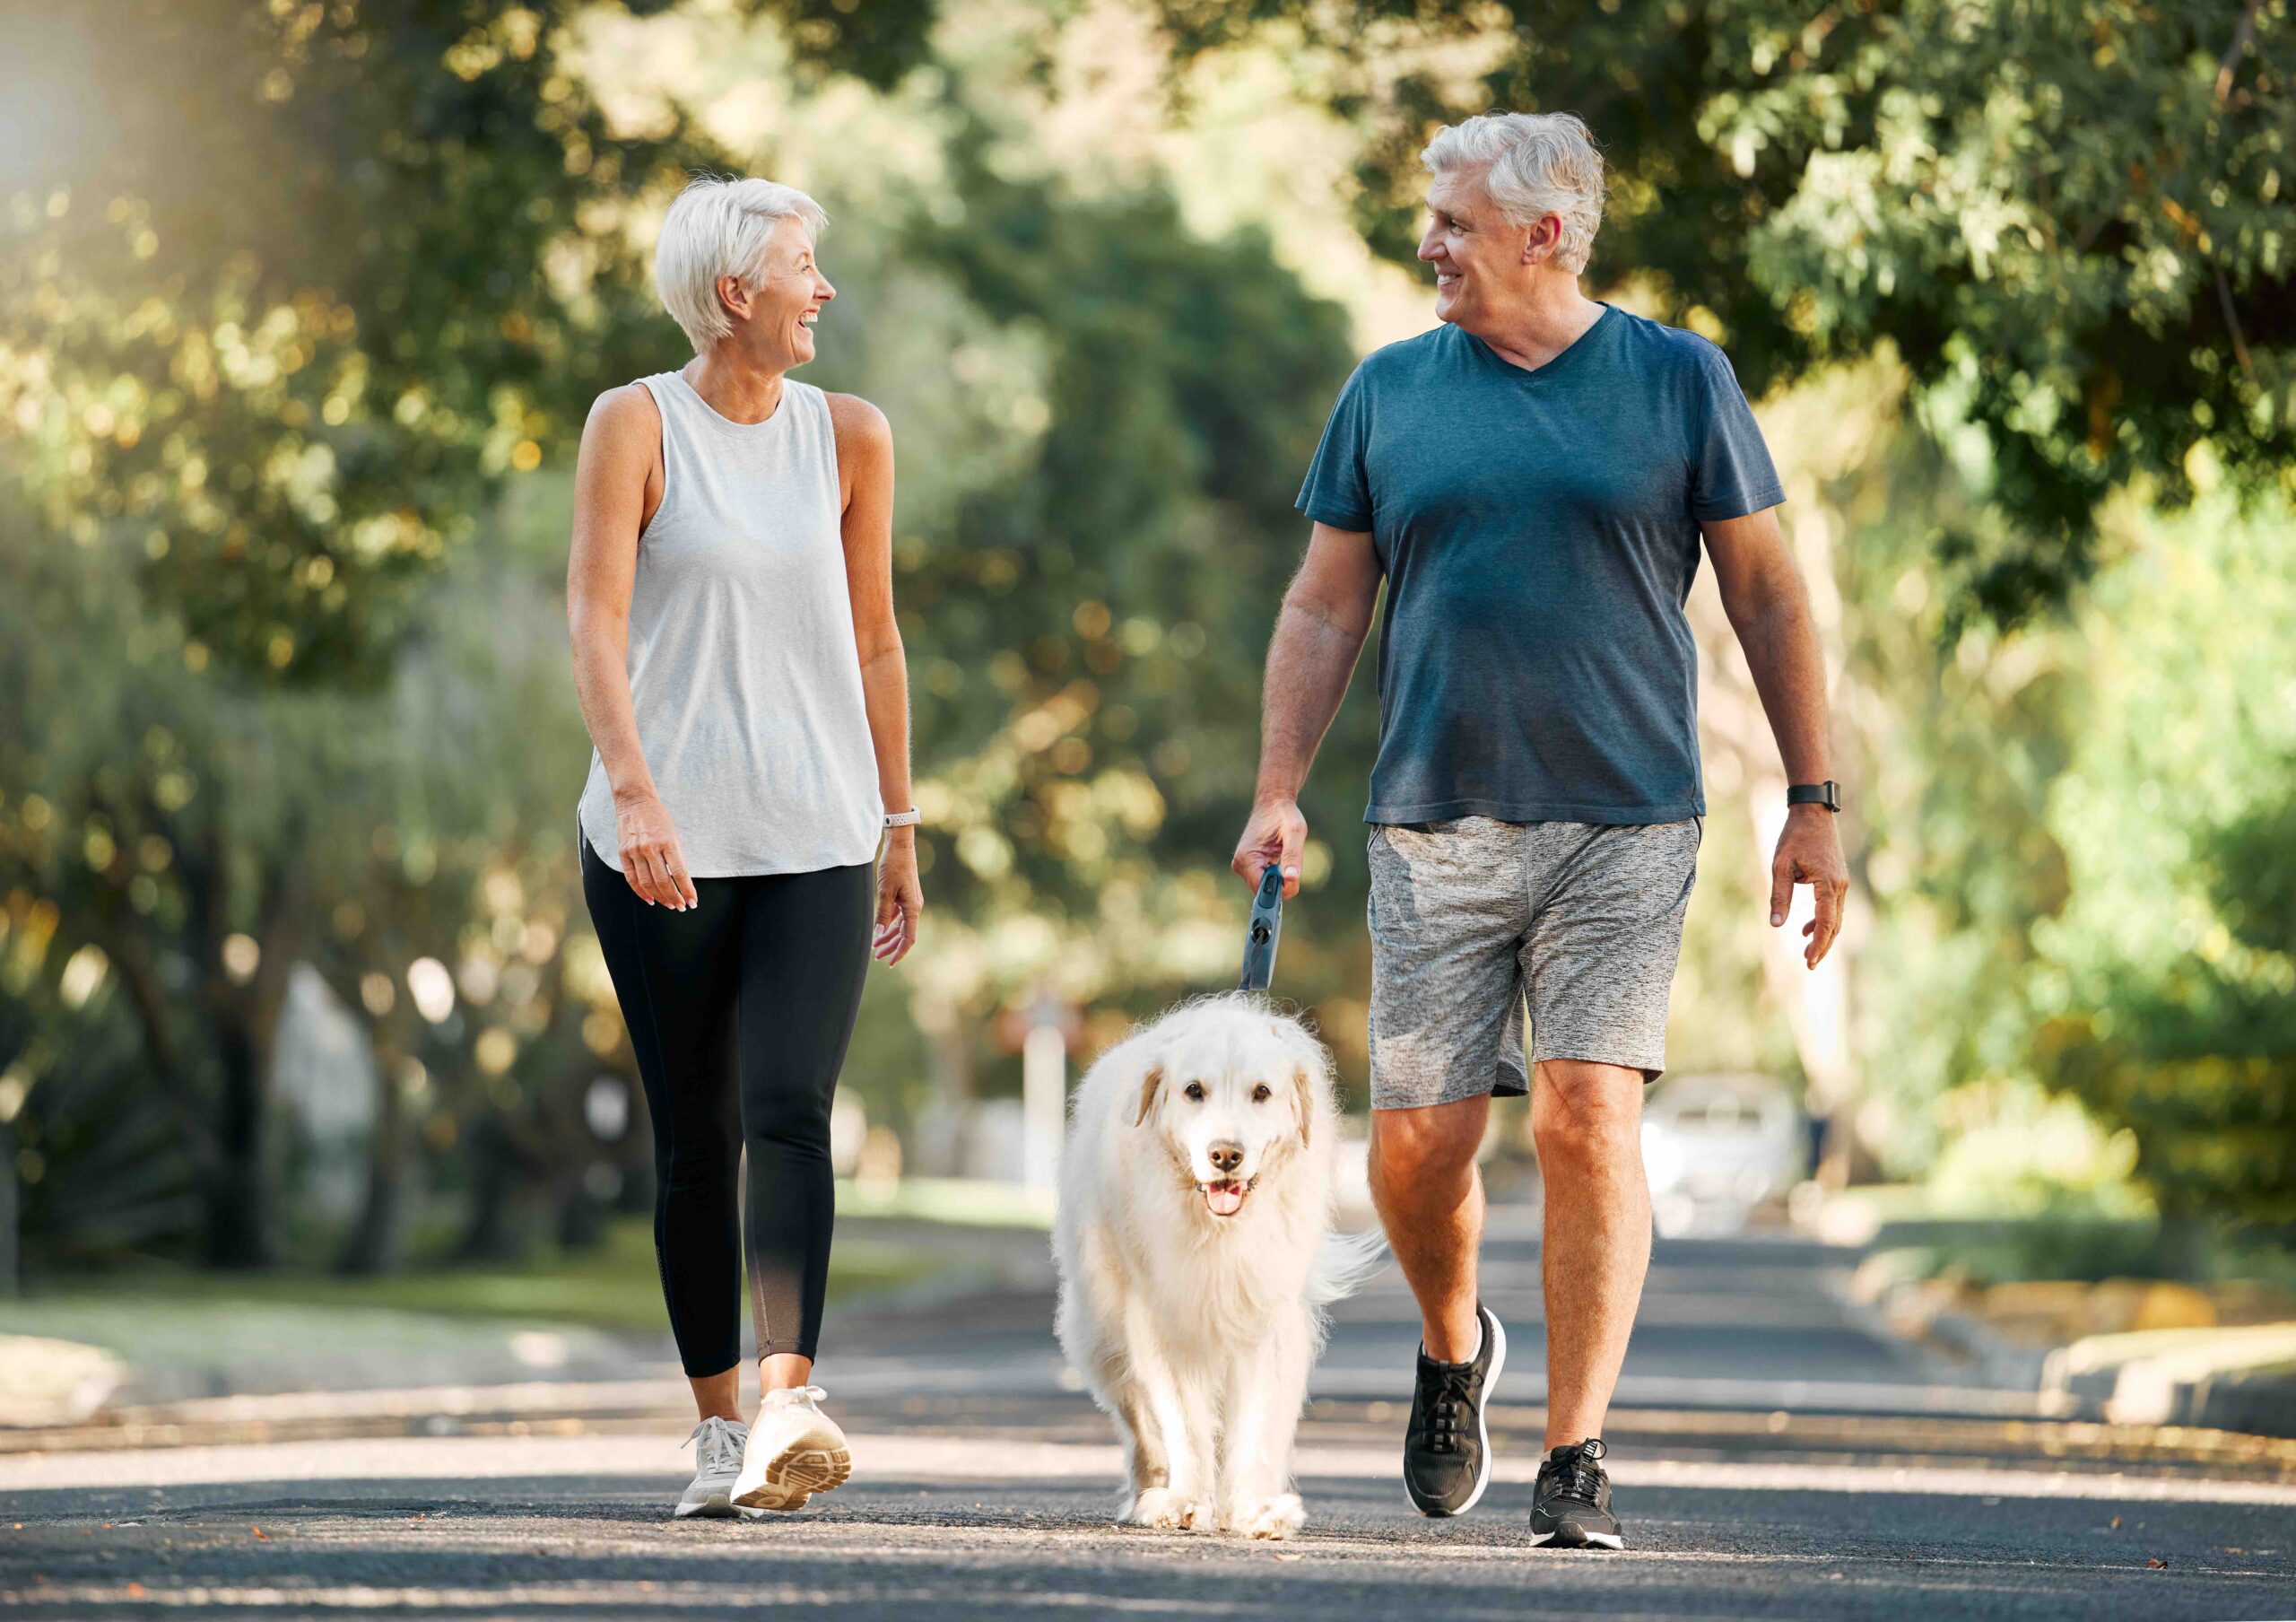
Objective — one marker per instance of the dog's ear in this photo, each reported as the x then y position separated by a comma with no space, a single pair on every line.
1303,1085
1148,1085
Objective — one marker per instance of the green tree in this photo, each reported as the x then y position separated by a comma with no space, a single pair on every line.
2166,998
2200,1060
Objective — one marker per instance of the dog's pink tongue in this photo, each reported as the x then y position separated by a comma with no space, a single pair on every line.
1225,1199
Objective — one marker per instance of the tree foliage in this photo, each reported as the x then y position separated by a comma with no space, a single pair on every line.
2200,1060
2166,1001
1146,541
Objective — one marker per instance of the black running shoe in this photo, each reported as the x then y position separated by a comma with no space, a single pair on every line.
1447,1450
1571,1507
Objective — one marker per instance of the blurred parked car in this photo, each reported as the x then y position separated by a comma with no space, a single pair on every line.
1716,1146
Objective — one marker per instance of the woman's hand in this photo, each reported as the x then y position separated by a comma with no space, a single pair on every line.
901,899
651,859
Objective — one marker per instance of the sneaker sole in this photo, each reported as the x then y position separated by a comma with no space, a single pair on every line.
1578,1539
795,1476
1482,1429
717,1506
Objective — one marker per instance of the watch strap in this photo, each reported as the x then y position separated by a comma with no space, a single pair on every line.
1827,794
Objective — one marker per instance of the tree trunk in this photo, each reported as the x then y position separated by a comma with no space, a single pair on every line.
372,1246
11,1209
238,1202
244,1018
949,1058
497,1229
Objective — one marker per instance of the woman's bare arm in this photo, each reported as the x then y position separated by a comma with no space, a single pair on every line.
615,490
865,462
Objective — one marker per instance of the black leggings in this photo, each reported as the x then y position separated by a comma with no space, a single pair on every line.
740,1011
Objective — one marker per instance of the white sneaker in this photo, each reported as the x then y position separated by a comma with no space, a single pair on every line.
718,1446
795,1451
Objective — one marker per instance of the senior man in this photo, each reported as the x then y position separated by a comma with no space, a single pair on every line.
1532,478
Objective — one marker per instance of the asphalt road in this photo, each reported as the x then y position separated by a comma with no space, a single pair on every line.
1774,1457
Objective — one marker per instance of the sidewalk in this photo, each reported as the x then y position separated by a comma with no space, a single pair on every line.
94,1359
2123,1351
130,1353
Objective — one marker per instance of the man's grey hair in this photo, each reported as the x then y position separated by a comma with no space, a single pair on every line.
1541,163
717,227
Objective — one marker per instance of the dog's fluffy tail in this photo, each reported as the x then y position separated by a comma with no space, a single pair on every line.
1343,1264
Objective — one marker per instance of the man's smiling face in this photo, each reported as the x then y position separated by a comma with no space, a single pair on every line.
1477,256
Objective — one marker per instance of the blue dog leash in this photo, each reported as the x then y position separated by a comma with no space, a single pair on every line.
1266,928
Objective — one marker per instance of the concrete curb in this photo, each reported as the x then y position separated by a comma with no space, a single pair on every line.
2002,1361
2176,1377
2233,1378
48,1382
2240,1378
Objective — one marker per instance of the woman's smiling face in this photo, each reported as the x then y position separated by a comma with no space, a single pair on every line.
786,300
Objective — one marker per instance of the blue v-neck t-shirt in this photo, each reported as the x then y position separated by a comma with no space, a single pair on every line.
1538,530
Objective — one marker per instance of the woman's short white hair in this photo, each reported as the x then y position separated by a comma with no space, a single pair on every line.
1541,163
719,227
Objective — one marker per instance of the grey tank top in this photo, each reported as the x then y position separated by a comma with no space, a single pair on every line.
742,665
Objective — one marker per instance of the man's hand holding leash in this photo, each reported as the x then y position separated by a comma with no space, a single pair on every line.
1275,832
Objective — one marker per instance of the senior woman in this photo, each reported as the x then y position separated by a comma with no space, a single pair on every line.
730,596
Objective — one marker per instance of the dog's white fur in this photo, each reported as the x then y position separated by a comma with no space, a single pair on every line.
1195,1331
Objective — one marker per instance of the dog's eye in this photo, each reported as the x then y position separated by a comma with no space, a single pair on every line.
1193,1091
1263,1093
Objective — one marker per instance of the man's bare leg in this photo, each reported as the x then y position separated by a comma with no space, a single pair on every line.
1430,1199
1586,1119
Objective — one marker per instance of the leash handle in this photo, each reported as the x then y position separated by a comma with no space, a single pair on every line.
1266,929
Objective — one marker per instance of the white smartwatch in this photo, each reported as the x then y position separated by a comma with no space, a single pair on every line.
903,819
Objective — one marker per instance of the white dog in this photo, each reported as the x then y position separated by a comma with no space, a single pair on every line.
1195,1251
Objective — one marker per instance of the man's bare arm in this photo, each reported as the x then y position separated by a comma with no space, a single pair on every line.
1326,614
1769,609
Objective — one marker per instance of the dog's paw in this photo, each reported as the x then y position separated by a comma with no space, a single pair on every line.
1160,1507
1280,1517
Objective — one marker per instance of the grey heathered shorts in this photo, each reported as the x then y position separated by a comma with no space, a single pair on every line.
1472,918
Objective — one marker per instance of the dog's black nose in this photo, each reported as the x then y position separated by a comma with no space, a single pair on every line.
1227,1156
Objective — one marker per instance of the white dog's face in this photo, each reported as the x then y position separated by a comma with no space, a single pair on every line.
1228,1096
